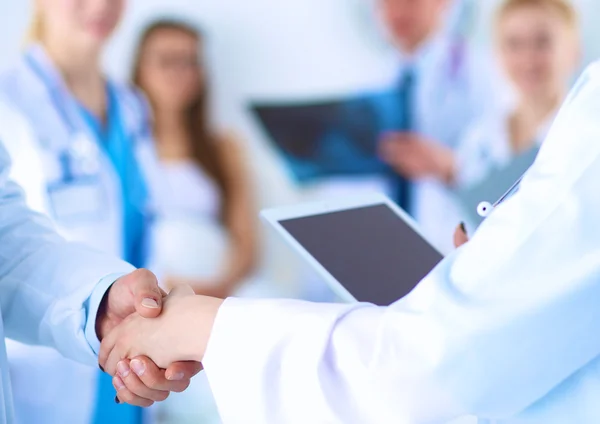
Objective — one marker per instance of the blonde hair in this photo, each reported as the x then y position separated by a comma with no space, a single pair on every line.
565,9
36,26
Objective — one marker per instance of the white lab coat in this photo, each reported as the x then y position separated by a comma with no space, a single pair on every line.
505,328
49,289
92,216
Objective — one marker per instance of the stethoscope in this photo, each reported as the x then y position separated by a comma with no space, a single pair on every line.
484,209
82,156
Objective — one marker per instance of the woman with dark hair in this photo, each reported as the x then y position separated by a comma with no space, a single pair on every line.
206,236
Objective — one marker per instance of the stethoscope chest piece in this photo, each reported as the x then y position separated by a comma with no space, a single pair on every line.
484,209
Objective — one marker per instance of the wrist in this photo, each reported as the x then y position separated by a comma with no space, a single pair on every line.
103,321
448,171
204,312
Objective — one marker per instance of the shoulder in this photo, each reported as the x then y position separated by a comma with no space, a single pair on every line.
130,96
587,85
17,84
227,137
584,98
135,107
231,149
16,134
9,79
473,61
13,124
16,138
486,82
230,143
573,137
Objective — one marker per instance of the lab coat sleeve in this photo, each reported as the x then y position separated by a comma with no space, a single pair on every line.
493,328
45,282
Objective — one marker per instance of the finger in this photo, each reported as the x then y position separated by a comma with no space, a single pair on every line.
181,290
125,396
147,294
154,378
106,349
460,235
182,371
113,357
388,152
131,373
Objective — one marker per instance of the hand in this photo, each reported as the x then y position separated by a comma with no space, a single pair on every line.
139,292
220,290
415,157
460,236
136,292
180,333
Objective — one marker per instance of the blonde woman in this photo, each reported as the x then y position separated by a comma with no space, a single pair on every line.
96,158
538,46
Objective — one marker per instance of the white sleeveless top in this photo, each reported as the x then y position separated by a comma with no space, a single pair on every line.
192,192
190,240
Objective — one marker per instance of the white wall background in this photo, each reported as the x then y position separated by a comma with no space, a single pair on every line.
272,48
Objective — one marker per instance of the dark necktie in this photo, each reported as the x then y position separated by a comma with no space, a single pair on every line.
402,186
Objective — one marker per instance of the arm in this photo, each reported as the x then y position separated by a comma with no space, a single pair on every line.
65,296
238,215
43,301
491,330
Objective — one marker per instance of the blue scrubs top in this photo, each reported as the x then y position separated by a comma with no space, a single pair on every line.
119,146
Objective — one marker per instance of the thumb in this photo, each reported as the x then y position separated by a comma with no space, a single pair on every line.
146,293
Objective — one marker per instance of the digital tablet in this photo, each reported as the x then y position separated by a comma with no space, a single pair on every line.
367,249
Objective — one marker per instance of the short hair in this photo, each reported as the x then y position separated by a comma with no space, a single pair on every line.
565,9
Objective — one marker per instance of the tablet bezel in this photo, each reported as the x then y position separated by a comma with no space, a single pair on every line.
275,215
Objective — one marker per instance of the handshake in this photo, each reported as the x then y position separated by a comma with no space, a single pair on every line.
152,344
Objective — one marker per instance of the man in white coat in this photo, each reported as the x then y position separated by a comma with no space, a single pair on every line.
506,328
444,85
65,296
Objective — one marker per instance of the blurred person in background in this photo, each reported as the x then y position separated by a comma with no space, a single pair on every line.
206,232
93,164
443,86
203,168
538,43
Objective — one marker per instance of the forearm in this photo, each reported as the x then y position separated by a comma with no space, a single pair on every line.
495,327
443,352
241,227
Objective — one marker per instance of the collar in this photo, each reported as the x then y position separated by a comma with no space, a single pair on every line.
40,63
431,51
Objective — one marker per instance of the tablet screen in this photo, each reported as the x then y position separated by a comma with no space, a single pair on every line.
370,250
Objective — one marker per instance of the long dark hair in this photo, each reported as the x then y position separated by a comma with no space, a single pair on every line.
203,142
